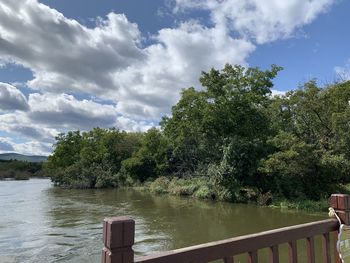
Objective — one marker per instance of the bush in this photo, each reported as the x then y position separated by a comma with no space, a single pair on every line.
22,175
179,186
78,175
198,187
205,190
160,185
19,170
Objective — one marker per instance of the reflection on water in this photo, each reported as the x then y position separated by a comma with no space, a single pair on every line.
40,223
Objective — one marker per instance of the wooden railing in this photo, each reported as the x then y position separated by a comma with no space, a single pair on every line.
119,233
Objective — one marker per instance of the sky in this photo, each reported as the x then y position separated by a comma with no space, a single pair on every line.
74,65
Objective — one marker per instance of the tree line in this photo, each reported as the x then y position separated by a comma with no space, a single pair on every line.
231,134
20,170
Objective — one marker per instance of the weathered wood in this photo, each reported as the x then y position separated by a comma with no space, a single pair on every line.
335,240
228,260
341,205
253,257
333,201
340,201
293,254
274,255
235,246
118,239
310,247
326,248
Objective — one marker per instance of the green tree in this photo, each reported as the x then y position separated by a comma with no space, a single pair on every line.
91,159
229,114
150,161
312,145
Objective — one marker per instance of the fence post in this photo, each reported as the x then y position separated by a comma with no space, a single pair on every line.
118,239
341,205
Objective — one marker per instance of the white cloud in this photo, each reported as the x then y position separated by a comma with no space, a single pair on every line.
62,53
264,21
50,114
64,111
33,148
19,125
343,73
275,92
29,147
6,145
152,87
11,98
107,61
112,61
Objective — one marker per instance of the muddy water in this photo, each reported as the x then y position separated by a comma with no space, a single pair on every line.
40,223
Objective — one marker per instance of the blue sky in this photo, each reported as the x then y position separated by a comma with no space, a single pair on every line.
79,64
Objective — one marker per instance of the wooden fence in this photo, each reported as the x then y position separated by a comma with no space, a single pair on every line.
119,233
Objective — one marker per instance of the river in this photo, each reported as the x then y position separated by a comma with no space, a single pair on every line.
40,223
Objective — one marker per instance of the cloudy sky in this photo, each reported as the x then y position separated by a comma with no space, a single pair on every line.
67,65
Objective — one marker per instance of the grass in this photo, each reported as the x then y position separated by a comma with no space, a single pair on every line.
198,187
308,205
201,188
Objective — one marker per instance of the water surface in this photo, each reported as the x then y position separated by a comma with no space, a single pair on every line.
40,223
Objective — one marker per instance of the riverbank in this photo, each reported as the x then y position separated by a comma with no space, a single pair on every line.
20,170
201,188
24,178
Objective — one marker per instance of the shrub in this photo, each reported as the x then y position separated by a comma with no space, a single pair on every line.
180,186
160,185
19,175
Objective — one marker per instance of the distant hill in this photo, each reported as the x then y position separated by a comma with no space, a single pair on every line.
22,157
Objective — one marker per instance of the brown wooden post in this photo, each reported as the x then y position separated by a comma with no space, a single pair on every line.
341,204
118,239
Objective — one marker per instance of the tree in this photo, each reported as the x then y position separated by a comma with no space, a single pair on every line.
312,144
150,161
91,159
229,114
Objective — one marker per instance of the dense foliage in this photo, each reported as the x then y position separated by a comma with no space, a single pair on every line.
90,159
19,170
231,139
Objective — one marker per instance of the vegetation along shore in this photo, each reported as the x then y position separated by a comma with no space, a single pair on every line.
20,170
231,140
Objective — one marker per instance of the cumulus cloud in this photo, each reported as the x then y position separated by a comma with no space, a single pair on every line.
343,73
11,98
30,147
108,60
277,92
140,76
62,53
53,113
263,21
5,145
64,111
149,89
34,148
18,124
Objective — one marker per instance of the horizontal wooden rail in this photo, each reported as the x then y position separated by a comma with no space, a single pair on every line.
119,233
235,246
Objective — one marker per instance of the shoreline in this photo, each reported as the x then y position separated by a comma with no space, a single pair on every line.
24,179
276,202
199,189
